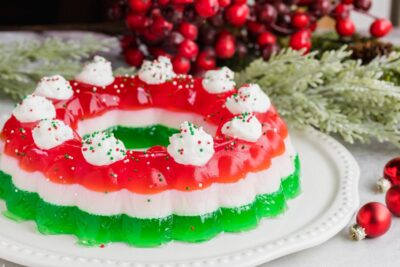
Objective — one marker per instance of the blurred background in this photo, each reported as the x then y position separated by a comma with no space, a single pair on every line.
97,15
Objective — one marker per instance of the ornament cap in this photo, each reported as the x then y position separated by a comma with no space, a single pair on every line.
357,232
383,185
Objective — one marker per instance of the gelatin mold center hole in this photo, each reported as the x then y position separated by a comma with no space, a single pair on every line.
141,138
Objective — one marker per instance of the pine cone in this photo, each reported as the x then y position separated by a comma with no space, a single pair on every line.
368,50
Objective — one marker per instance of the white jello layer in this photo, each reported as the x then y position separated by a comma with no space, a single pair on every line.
189,203
142,118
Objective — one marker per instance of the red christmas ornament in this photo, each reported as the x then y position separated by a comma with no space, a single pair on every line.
391,171
373,220
393,200
380,28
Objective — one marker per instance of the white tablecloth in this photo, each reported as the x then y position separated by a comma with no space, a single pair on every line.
338,251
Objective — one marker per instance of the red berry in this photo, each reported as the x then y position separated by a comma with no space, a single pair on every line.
300,20
321,7
134,57
206,60
163,2
269,50
347,2
301,40
136,22
181,65
225,46
188,49
182,2
266,13
341,11
140,6
160,26
127,41
380,27
363,4
224,3
255,27
237,14
157,52
241,50
240,1
266,38
313,26
188,30
206,8
345,27
150,37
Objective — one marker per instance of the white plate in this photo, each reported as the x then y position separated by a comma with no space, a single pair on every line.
328,200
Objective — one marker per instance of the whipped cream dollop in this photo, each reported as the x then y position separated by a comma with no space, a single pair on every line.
34,108
244,126
97,72
157,71
54,87
51,133
249,98
219,81
102,148
191,146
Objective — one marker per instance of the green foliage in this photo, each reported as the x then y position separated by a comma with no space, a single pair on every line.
334,94
22,64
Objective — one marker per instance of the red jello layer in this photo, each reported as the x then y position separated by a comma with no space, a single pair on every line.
154,170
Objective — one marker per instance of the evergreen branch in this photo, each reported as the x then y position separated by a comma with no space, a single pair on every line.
332,93
22,64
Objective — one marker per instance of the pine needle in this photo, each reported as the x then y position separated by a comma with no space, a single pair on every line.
22,64
333,94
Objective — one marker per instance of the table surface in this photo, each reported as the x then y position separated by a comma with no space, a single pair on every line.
339,250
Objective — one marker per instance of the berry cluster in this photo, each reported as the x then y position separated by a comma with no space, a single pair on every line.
196,34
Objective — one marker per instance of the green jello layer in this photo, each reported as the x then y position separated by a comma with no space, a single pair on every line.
94,230
144,136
